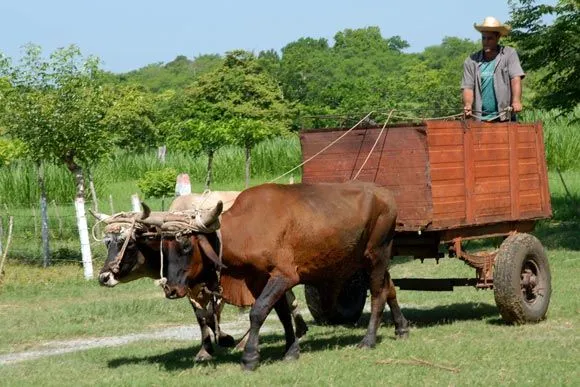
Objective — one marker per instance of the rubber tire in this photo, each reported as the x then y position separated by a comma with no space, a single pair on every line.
515,252
350,303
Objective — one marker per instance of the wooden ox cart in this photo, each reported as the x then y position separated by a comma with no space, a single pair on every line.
453,181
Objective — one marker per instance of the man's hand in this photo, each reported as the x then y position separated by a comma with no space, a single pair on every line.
517,106
467,110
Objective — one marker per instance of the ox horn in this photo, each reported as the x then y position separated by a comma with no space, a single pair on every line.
210,217
209,251
99,216
146,211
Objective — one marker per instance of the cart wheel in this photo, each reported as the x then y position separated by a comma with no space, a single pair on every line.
521,280
349,306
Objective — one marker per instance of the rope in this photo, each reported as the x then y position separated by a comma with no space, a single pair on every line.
500,115
323,149
119,257
374,145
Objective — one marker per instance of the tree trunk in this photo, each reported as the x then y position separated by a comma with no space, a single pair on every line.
44,218
248,164
209,169
77,172
93,192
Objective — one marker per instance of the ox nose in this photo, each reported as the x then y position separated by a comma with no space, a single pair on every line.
170,292
107,279
104,278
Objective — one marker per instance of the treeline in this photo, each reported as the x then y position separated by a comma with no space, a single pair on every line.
65,109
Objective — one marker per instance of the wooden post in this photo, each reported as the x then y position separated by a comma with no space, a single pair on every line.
10,223
111,204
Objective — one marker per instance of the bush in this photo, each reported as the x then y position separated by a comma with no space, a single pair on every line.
158,184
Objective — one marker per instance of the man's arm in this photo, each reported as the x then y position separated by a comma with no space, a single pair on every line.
467,101
516,85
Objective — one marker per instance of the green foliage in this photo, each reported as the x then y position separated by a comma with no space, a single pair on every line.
561,137
56,107
177,74
131,119
19,184
550,48
10,150
157,184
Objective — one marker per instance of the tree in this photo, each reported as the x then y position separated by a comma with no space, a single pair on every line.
239,92
549,48
56,108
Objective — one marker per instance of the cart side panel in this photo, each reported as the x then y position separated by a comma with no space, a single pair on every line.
398,162
487,173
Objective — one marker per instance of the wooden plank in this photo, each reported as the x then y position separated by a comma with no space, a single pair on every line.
444,139
528,166
514,175
490,137
491,169
492,185
526,152
444,172
541,157
491,154
456,188
452,155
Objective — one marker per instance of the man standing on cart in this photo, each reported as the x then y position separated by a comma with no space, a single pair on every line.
492,77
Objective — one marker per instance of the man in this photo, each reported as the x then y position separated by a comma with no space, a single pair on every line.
492,77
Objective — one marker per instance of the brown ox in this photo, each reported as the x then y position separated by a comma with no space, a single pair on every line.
141,258
277,236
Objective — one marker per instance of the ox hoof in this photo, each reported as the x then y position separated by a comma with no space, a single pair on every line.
226,341
367,343
293,353
301,327
250,362
202,356
402,333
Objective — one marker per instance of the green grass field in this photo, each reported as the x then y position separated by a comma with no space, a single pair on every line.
457,338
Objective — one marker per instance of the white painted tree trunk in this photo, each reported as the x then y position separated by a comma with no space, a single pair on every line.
84,237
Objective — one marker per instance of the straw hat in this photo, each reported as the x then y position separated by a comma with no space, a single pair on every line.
492,24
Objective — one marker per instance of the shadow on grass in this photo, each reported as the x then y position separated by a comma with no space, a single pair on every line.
556,234
439,315
272,349
272,345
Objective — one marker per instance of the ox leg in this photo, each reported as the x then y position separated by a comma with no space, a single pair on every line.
379,288
206,350
223,339
301,327
282,308
272,292
401,323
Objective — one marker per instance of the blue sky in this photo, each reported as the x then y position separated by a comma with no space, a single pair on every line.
129,34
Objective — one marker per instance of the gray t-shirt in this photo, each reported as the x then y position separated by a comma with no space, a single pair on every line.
507,66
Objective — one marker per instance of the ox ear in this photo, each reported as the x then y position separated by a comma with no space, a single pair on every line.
99,216
209,251
210,217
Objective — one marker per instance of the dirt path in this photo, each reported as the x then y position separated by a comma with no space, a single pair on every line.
180,333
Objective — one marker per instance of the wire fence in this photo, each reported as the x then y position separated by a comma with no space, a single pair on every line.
64,240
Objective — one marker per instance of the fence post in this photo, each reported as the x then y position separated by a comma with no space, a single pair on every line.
135,203
44,231
111,204
1,233
84,237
